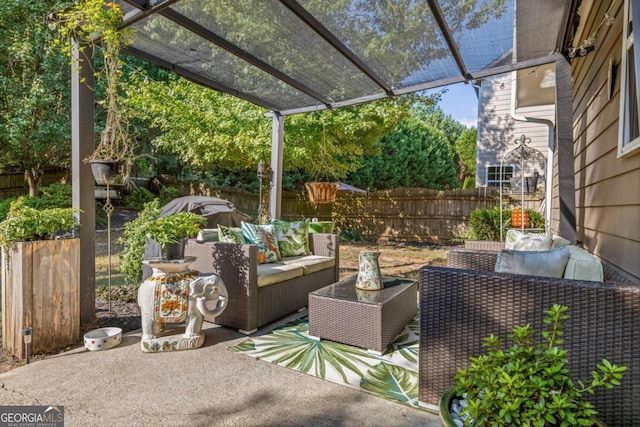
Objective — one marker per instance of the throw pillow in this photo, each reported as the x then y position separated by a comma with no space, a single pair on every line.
208,235
583,266
321,226
520,241
263,235
293,237
533,263
230,235
559,242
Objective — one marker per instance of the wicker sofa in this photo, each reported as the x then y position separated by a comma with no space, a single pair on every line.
466,301
251,303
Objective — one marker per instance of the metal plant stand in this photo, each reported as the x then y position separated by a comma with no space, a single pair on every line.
108,209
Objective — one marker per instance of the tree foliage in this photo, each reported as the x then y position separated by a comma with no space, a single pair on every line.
208,129
465,147
34,91
414,155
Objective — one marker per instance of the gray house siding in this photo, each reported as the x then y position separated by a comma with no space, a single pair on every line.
607,187
498,130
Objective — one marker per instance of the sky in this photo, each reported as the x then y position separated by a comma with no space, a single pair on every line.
460,102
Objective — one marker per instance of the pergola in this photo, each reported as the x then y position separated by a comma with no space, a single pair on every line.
308,55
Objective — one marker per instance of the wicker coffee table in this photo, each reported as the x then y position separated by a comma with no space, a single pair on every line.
367,319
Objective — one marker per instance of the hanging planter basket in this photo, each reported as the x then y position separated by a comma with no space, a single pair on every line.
322,192
108,172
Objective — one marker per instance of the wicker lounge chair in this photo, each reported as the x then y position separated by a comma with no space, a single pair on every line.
460,306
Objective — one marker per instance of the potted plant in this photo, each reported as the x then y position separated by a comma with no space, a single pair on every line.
526,384
150,225
24,223
40,278
92,23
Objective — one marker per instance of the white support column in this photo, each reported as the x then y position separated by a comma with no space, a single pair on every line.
83,196
277,143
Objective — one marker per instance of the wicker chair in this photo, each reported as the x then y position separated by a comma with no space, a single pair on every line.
460,306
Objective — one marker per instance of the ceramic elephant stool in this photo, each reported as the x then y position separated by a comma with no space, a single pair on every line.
176,298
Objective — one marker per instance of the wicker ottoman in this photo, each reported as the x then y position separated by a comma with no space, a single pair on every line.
367,319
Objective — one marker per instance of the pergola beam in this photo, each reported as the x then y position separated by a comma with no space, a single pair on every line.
323,32
210,36
448,37
196,78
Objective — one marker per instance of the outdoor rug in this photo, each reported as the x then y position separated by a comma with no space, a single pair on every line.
393,376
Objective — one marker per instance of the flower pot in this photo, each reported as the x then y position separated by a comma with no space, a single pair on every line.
322,192
448,421
172,251
107,172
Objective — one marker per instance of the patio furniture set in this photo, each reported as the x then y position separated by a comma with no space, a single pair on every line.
459,305
466,301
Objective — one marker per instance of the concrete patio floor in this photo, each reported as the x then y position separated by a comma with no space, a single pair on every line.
209,386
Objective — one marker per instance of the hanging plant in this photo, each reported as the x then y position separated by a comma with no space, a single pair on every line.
93,23
323,191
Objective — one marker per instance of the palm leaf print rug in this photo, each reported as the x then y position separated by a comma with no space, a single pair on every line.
393,376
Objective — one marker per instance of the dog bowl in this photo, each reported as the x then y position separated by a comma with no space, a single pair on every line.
102,339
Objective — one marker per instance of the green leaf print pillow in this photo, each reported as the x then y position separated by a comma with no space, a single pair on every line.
293,237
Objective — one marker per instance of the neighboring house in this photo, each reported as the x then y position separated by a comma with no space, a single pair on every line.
606,136
605,133
500,125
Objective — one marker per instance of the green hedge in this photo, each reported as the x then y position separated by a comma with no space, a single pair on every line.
485,223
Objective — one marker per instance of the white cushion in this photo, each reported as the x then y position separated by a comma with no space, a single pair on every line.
207,235
271,273
532,263
311,263
520,241
583,266
559,242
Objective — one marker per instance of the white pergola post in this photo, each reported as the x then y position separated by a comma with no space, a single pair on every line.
277,143
82,145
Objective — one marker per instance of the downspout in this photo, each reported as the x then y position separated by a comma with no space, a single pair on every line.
550,149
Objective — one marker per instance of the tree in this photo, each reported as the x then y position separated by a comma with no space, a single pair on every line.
34,91
414,155
207,129
465,147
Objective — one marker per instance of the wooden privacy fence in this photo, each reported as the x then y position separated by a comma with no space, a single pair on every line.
14,184
405,214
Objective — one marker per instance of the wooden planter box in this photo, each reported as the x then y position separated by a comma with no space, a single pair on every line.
41,289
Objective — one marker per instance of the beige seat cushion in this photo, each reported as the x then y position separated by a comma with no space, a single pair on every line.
311,263
271,273
532,263
583,266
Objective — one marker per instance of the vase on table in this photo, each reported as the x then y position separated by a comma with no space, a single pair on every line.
369,277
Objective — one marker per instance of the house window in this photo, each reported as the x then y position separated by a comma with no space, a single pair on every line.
629,130
494,178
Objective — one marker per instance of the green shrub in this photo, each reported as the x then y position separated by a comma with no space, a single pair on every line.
138,198
529,383
51,197
350,235
469,182
134,239
484,224
167,194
